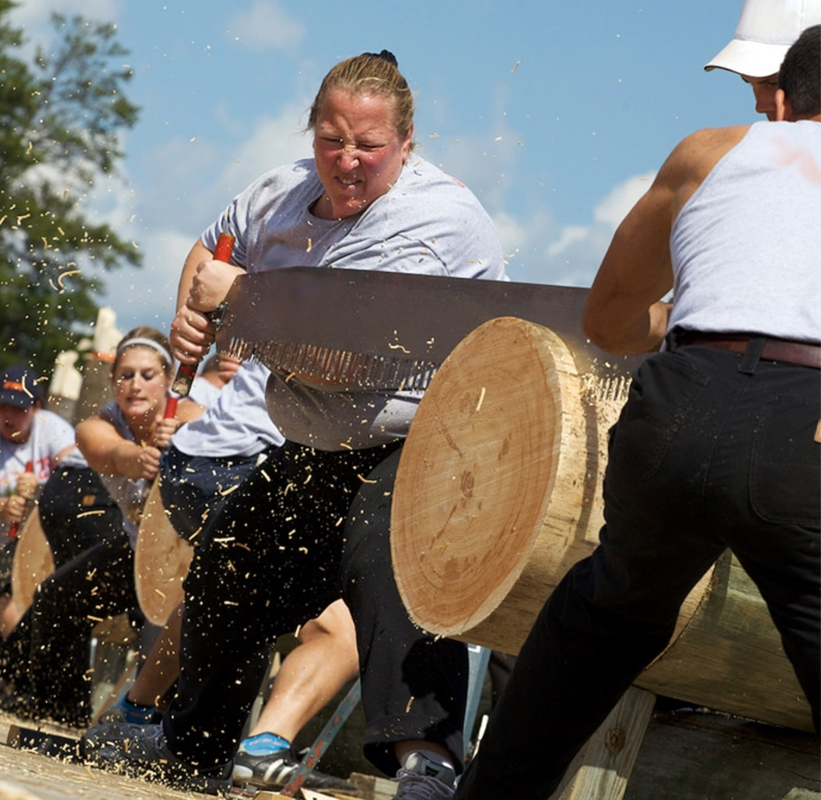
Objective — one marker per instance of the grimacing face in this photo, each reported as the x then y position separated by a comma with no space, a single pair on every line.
357,151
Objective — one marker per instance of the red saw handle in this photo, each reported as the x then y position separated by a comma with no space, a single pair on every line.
14,528
186,372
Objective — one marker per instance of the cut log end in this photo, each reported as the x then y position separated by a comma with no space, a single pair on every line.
478,471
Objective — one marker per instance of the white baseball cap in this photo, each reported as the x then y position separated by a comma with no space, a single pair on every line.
765,31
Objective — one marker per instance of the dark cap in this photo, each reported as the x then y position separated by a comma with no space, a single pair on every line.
18,387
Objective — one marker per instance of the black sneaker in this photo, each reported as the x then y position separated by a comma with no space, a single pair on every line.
277,769
140,751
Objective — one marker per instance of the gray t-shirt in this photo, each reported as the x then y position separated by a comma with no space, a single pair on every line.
428,223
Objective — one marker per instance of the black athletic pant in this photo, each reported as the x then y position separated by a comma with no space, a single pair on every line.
47,653
77,512
282,549
712,450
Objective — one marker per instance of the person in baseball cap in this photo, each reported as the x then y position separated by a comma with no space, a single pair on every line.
18,387
765,31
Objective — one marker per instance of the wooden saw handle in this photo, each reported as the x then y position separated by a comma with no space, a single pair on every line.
187,372
14,528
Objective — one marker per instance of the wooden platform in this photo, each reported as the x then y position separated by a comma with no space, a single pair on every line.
684,755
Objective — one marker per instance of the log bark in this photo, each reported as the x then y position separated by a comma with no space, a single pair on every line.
498,493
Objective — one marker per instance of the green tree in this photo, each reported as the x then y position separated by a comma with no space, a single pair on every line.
59,121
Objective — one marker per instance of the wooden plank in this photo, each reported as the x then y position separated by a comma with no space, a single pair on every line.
372,787
42,778
602,768
692,754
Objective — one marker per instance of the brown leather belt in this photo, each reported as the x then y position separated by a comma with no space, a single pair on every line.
802,353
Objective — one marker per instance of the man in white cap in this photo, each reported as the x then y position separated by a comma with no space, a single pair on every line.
719,442
765,31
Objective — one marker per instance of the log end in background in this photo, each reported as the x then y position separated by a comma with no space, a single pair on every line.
161,561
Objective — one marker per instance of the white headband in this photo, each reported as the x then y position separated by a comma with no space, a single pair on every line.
141,340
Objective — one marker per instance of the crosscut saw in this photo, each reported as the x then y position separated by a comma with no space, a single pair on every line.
389,330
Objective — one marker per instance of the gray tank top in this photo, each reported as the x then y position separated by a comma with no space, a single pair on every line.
746,247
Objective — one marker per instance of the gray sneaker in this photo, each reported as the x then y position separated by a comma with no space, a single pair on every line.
275,770
140,751
422,779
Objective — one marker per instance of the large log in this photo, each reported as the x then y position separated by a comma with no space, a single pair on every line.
498,493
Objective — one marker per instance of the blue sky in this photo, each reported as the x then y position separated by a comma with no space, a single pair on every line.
556,115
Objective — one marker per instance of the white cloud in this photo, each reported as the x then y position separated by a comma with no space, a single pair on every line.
266,25
570,235
540,250
613,209
273,141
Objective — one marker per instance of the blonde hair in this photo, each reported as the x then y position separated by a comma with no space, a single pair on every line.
369,73
146,336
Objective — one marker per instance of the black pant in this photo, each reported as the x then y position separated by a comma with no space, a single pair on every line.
77,512
280,551
712,450
195,487
47,653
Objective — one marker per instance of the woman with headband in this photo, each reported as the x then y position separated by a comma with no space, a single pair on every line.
45,659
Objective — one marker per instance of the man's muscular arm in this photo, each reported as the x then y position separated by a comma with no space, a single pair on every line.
624,312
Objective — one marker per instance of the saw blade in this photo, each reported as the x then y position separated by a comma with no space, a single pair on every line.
386,330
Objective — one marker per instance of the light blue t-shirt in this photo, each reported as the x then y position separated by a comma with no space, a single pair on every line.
237,424
427,223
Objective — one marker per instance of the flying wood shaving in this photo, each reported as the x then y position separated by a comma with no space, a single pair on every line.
364,480
231,603
91,513
228,491
225,540
161,594
310,245
410,703
265,475
515,67
66,275
399,347
342,519
481,400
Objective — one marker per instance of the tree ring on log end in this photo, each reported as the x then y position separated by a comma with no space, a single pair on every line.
486,448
